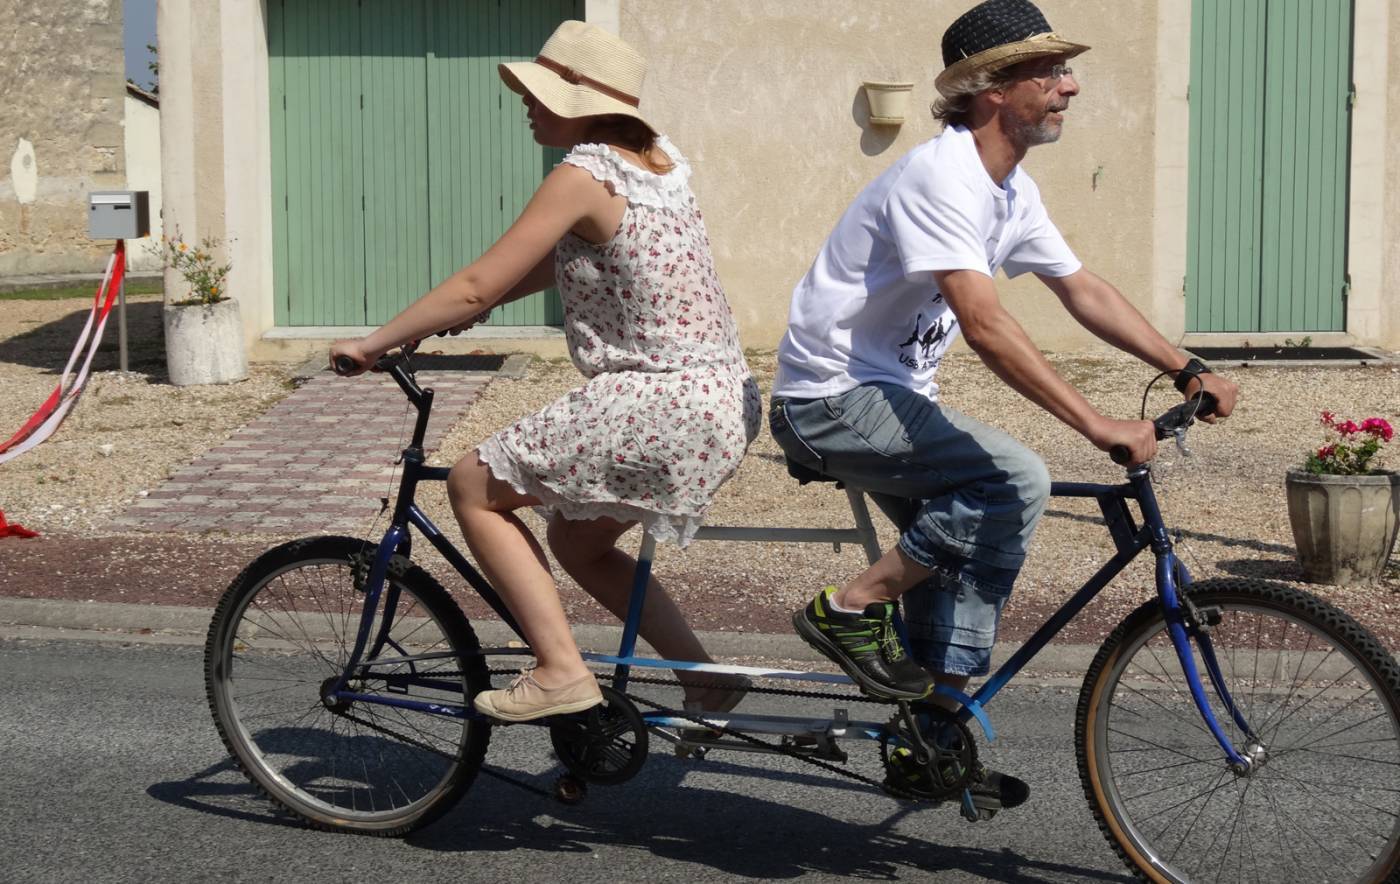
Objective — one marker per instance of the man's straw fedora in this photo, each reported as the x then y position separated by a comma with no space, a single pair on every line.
994,35
582,71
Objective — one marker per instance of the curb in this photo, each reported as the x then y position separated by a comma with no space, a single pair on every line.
50,619
32,281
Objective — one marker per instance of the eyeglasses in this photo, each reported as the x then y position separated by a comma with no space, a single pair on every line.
1055,74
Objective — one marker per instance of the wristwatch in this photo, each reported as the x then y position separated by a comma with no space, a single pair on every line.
1191,369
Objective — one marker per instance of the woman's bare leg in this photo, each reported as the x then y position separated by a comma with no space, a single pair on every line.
514,563
588,551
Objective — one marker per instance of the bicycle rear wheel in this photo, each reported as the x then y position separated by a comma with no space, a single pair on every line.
280,639
1320,694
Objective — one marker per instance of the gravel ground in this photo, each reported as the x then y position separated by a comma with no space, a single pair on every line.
1227,498
128,432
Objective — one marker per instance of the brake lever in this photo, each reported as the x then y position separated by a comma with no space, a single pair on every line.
1179,437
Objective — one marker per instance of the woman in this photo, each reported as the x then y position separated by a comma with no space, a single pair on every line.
669,407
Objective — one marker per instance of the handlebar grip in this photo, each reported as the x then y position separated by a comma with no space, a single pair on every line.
1120,454
343,365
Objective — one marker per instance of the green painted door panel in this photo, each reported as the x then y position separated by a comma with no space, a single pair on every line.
317,164
393,65
486,163
398,155
1268,195
1306,153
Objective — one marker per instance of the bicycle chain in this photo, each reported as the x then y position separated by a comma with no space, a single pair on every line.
695,718
491,772
780,749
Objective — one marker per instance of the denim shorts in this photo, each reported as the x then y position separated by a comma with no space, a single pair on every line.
966,498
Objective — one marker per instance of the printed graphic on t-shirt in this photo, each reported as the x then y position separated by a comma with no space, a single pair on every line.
924,347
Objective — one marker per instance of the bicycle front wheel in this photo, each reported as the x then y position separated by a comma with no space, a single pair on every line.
280,641
1318,703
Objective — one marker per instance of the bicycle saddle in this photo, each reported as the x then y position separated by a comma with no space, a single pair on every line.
803,474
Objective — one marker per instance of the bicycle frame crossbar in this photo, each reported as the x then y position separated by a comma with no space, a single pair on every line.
1130,537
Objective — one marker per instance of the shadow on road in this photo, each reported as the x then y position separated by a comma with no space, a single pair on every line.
723,831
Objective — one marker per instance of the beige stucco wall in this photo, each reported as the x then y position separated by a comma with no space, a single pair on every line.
191,126
1390,218
141,146
61,96
766,101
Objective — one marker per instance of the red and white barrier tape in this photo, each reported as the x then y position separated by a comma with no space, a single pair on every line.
42,424
14,529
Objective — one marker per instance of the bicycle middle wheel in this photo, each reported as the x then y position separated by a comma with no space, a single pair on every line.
281,637
1322,699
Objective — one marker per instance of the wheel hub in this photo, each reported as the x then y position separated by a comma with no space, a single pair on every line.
328,697
1255,756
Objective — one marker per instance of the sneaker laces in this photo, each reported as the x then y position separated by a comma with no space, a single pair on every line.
526,672
891,648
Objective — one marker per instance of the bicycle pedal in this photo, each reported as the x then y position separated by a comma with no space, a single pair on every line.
976,809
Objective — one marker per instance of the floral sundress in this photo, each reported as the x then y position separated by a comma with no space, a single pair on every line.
670,406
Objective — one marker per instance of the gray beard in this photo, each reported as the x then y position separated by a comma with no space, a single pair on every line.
1030,134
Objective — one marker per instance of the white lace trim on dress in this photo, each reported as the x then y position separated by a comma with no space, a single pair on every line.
640,187
676,529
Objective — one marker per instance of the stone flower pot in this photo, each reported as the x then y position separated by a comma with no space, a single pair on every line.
204,343
1344,526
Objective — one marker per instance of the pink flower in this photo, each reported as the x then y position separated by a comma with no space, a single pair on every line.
1347,429
1328,418
1326,451
1377,427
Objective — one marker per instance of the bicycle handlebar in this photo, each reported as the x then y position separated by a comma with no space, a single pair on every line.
1178,417
343,365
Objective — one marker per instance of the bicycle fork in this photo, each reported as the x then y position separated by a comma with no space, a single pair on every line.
1184,623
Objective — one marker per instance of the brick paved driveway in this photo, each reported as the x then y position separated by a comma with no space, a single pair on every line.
318,461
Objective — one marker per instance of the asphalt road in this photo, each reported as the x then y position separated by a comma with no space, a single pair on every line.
114,772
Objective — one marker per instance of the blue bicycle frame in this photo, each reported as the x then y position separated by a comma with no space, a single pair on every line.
1129,538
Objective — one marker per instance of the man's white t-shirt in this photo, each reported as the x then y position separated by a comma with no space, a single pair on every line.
868,309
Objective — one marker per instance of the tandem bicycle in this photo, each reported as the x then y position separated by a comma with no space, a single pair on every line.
1227,729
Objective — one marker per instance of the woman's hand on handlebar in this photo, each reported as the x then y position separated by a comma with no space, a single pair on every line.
1137,438
350,358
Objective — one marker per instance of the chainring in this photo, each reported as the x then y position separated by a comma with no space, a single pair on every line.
952,765
606,744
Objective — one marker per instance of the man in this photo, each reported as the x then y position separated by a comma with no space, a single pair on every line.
909,266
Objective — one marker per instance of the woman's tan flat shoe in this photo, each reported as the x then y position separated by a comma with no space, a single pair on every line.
527,699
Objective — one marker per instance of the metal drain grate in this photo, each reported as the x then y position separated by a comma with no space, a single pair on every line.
1284,354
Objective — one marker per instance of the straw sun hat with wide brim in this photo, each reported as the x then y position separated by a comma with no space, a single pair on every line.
995,35
582,71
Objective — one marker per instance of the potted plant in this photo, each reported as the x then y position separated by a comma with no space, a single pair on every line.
203,331
1343,510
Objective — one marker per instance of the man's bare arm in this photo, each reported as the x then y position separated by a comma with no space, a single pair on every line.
996,337
1103,310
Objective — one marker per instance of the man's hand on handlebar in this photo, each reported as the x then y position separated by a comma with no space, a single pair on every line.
1224,391
1137,438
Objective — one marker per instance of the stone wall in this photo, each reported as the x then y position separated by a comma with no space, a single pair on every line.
62,87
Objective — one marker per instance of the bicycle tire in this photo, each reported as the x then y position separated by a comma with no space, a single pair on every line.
1322,693
282,630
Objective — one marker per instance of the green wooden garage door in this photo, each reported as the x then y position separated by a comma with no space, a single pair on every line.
1270,123
397,154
